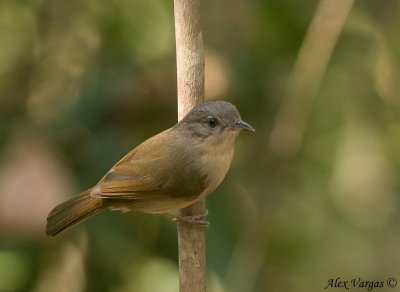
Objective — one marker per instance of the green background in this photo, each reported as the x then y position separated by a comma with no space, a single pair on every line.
312,195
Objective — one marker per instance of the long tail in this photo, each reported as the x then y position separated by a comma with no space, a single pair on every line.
72,211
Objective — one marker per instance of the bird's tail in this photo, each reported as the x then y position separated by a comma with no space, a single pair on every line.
72,211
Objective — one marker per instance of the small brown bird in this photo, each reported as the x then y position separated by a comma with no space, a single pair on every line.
169,171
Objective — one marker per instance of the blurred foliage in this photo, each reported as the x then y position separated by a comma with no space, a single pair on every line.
312,195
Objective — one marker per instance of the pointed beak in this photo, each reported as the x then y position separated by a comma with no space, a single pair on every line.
240,124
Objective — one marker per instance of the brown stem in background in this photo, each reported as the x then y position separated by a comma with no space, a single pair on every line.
190,76
315,53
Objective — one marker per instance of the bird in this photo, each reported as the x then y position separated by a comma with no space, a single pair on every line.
167,172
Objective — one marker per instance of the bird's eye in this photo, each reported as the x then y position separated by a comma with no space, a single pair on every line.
212,122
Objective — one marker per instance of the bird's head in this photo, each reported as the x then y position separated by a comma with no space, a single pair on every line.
216,119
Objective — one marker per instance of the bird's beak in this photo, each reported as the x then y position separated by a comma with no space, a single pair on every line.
240,124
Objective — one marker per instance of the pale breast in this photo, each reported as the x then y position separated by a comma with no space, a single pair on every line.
216,161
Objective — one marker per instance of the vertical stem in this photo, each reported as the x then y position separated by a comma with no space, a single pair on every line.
190,76
304,81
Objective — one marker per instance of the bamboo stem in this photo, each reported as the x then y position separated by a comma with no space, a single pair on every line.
190,77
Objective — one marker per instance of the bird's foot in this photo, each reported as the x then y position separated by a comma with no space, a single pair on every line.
198,220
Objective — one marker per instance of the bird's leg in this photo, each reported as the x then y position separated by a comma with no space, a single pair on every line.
198,220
